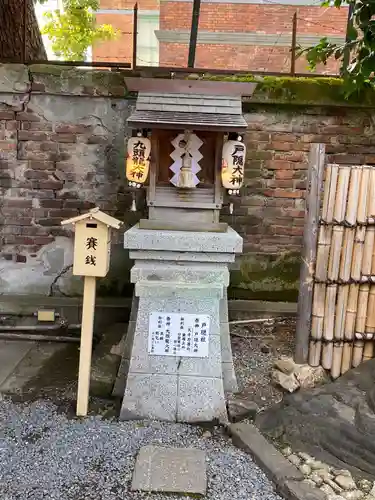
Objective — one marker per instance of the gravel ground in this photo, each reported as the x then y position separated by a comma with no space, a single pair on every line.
46,455
255,348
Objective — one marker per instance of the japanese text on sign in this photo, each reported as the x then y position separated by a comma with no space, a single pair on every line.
138,155
238,164
91,244
173,334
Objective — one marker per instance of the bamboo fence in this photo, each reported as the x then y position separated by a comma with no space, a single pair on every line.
342,331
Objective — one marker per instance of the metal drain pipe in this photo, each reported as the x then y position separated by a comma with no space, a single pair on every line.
21,333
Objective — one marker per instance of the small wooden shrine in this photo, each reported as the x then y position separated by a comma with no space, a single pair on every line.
192,147
187,143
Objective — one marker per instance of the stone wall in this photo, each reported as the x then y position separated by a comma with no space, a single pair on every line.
62,151
271,214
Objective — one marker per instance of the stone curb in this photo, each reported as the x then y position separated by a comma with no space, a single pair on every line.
286,477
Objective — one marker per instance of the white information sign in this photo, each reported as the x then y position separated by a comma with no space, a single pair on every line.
173,334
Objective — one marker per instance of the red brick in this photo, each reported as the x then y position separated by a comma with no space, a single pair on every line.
72,129
41,165
35,174
64,138
51,203
279,164
27,117
40,126
283,193
50,184
284,174
26,135
7,115
17,203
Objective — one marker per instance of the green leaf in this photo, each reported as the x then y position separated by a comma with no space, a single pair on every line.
74,30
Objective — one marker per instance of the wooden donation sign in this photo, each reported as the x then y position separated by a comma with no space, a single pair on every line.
92,249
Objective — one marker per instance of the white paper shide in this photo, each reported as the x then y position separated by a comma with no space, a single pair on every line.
173,334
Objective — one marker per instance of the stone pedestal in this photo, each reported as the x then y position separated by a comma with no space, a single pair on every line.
185,273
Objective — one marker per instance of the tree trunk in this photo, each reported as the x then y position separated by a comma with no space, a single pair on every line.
18,44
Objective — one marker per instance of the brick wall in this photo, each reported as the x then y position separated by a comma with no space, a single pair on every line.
270,216
62,135
61,152
248,18
272,54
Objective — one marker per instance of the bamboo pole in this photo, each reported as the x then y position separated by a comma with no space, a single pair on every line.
363,296
347,354
341,195
357,353
315,351
327,355
318,310
337,359
330,185
353,196
329,312
322,258
371,199
368,249
351,312
368,350
341,308
335,253
347,254
358,253
363,196
310,237
372,277
370,317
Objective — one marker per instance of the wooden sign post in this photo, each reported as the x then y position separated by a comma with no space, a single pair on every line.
92,249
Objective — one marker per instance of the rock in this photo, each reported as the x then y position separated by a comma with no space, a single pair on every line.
327,489
287,451
317,479
305,469
241,408
365,485
309,376
207,434
324,474
294,459
311,483
341,472
285,365
305,456
336,488
317,465
345,482
372,491
353,495
335,497
287,382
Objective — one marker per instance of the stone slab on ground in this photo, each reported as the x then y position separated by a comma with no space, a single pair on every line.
286,477
12,353
298,490
37,355
171,470
275,465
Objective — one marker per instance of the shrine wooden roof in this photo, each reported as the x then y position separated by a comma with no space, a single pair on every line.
188,110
